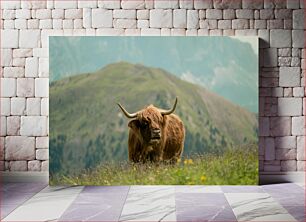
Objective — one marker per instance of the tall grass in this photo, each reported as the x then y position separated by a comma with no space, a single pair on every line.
234,166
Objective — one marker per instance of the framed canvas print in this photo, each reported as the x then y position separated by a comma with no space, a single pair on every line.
153,110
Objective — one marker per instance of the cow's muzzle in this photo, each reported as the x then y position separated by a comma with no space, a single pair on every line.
155,134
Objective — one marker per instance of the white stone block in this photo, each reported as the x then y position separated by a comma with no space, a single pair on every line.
203,4
29,38
9,24
25,87
33,106
224,4
18,106
45,165
293,4
289,106
43,13
285,142
109,4
280,38
43,70
42,142
191,32
142,23
125,23
73,13
18,166
19,148
90,32
269,149
87,4
143,14
132,4
33,24
245,14
166,4
19,62
301,165
86,18
187,4
192,19
34,165
50,4
34,126
45,24
65,4
23,13
298,19
3,131
179,18
8,87
20,23
9,38
214,14
160,18
132,32
6,57
124,14
224,24
301,148
298,38
289,76
298,126
57,23
288,165
45,107
78,25
215,32
102,18
285,154
13,72
252,4
298,92
240,24
5,106
58,13
280,126
42,154
68,24
10,4
109,32
41,87
8,14
13,125
178,32
31,67
33,4
165,32
150,32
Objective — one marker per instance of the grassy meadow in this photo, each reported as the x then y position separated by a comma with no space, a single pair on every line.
234,166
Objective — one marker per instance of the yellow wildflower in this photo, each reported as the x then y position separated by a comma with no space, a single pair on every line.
190,161
203,178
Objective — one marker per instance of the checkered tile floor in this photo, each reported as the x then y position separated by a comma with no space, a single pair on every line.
39,202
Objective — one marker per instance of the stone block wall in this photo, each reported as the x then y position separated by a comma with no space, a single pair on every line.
26,25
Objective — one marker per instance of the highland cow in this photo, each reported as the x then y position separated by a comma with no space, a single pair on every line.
155,135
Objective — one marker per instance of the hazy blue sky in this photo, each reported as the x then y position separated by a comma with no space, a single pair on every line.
221,64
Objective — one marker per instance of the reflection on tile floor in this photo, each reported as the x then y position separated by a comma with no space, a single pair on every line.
39,202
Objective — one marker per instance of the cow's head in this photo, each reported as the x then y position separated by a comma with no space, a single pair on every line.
148,123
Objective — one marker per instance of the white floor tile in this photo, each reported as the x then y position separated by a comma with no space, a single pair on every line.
150,203
257,207
47,205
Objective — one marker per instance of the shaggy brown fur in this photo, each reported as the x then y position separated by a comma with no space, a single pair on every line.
146,144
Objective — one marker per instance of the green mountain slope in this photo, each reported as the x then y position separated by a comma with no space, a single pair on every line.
87,127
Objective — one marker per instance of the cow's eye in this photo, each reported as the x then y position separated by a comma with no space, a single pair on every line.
145,124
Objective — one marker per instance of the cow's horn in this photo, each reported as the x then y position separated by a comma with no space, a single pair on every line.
126,113
168,112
